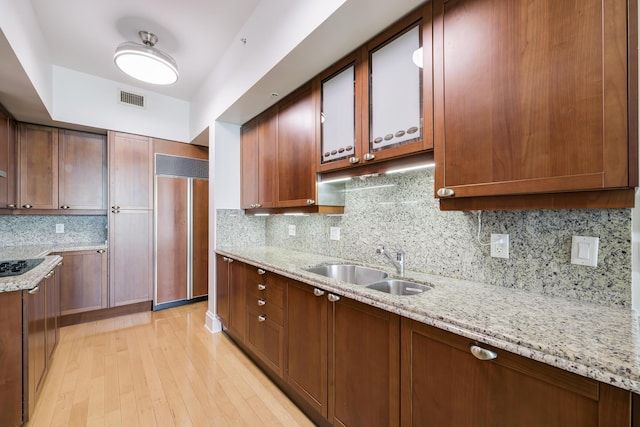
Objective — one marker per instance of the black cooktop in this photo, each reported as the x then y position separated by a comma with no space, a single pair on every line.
16,268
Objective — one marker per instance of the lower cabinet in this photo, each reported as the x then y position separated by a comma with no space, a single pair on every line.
83,281
11,358
449,380
42,310
266,294
343,357
350,364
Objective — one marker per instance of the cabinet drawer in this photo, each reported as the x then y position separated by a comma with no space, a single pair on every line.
271,289
266,339
266,308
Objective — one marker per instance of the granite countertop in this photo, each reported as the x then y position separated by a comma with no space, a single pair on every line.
595,341
32,277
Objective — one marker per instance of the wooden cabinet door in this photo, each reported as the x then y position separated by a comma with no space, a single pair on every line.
130,257
8,147
52,315
297,150
306,366
266,339
83,281
11,358
130,171
237,300
258,165
171,239
36,354
364,365
82,170
200,238
38,183
531,97
222,289
445,385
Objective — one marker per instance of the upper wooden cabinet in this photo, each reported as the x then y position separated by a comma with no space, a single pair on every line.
258,145
60,170
8,147
534,97
38,172
82,170
296,148
130,171
376,104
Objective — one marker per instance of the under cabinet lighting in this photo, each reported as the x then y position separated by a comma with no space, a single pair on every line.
296,214
412,168
261,214
331,181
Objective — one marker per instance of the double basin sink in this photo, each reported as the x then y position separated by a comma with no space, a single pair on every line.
369,277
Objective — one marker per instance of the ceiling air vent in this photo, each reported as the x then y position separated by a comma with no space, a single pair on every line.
131,99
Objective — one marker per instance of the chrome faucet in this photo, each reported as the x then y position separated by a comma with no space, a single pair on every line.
398,262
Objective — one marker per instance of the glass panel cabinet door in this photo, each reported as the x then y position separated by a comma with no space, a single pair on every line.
395,92
338,115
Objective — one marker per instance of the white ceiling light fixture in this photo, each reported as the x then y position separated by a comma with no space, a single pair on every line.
145,62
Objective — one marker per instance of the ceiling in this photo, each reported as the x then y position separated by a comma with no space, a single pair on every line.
82,35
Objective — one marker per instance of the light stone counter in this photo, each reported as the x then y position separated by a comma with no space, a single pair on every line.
31,278
595,341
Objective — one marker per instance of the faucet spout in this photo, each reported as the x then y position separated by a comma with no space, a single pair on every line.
397,261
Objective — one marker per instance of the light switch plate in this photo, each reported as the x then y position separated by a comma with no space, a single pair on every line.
59,228
584,250
292,230
334,233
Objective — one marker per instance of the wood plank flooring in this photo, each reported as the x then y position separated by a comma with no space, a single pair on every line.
157,369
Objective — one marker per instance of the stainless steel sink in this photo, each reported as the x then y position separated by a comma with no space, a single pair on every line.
399,287
355,274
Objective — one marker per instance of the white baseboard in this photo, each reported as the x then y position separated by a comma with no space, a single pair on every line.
212,323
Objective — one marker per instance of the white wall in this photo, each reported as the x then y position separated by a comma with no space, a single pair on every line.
21,28
88,100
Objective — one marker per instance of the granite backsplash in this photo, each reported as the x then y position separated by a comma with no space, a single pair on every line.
41,229
400,212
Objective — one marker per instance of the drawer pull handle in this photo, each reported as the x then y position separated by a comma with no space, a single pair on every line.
34,290
64,207
261,302
262,318
445,192
318,292
333,298
27,206
261,271
261,287
11,206
482,353
311,202
49,274
354,160
100,251
225,259
369,156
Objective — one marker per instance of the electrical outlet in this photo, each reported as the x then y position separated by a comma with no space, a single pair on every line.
500,245
334,233
292,230
59,228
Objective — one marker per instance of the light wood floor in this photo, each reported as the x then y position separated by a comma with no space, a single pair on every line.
157,369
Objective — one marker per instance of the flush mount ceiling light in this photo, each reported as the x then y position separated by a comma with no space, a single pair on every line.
145,62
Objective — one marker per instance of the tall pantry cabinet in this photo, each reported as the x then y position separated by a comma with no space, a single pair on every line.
130,219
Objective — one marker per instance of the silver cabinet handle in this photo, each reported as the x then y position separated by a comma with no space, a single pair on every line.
229,260
258,205
445,192
482,353
311,202
261,302
261,271
34,290
100,251
354,160
261,287
318,292
225,259
369,156
333,298
262,318
27,206
252,205
49,275
64,207
115,211
60,264
11,206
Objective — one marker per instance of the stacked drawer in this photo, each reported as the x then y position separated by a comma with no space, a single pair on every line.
266,294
